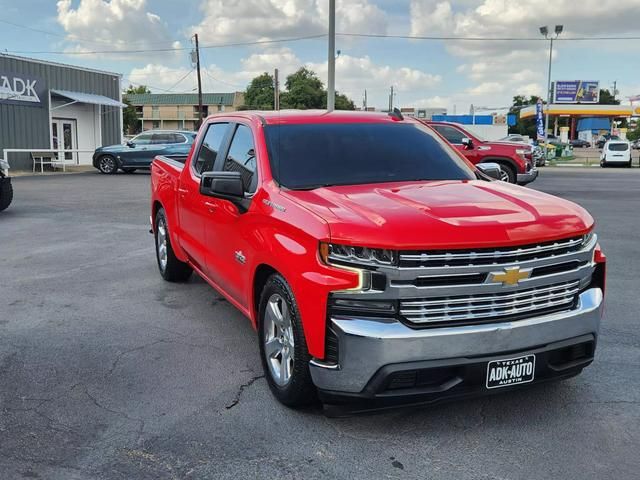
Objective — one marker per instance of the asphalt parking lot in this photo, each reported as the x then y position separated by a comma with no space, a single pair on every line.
107,372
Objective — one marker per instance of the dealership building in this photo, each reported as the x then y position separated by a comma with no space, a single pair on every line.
64,109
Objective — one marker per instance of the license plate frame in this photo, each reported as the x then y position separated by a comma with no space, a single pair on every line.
509,372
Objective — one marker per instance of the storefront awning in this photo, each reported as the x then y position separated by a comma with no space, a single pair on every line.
91,98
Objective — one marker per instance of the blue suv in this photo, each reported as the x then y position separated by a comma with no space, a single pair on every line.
140,151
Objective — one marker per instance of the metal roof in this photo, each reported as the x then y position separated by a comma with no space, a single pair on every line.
58,64
91,98
179,98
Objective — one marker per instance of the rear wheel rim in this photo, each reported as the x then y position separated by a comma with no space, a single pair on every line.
107,164
278,340
504,175
162,244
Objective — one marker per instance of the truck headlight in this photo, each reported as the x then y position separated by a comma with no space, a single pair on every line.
335,254
361,261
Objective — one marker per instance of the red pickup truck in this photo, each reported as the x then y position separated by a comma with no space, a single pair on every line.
515,159
375,262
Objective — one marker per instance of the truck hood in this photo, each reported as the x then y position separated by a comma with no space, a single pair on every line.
443,214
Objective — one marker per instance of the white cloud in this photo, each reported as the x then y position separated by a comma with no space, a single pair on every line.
353,75
113,25
518,67
247,20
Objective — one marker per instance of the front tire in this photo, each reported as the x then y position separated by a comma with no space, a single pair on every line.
171,269
283,348
107,164
6,195
507,173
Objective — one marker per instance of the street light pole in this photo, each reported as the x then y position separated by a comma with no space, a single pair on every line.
545,31
331,80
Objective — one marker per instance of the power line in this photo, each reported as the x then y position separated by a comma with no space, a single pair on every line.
234,85
180,81
173,49
479,39
72,37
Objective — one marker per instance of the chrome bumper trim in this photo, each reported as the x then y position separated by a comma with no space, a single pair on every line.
368,344
528,177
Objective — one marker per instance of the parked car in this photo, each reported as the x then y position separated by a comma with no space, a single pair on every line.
515,160
636,144
375,262
6,189
538,155
616,152
602,139
515,137
140,150
580,143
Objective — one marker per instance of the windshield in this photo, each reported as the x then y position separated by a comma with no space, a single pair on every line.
308,156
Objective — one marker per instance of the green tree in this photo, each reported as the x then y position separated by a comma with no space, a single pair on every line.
343,102
130,123
525,126
304,90
607,98
259,93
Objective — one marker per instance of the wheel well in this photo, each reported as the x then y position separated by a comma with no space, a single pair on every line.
156,206
263,272
503,161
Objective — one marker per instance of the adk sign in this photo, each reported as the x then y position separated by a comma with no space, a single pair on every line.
21,89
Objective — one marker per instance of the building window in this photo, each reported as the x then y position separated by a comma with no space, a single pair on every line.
155,111
156,124
139,111
221,108
205,111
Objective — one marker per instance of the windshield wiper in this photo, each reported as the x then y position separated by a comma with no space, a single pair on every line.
313,187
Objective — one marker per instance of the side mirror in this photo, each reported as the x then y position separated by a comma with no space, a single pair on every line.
467,142
225,185
490,169
130,144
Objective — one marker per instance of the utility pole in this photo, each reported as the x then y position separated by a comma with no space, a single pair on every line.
391,99
331,81
276,90
364,102
615,90
199,82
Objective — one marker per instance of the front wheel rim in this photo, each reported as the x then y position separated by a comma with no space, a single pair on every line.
278,340
504,175
107,164
162,245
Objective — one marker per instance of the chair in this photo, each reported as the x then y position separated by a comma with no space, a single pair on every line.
46,158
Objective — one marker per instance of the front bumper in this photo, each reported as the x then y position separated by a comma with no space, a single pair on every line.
369,349
530,176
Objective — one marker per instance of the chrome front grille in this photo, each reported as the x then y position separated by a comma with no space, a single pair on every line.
471,308
436,259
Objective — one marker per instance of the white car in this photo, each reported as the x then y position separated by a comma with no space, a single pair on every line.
616,152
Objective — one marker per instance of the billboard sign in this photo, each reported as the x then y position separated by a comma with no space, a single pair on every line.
576,91
21,89
540,133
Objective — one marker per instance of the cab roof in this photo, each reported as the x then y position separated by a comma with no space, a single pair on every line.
280,117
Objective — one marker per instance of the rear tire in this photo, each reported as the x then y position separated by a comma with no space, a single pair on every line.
107,164
171,269
283,348
6,195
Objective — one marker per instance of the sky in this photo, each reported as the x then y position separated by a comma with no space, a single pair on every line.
449,73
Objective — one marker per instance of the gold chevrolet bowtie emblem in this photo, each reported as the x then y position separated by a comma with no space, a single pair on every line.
510,276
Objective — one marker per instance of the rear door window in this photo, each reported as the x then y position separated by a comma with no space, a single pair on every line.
143,139
162,138
618,147
210,147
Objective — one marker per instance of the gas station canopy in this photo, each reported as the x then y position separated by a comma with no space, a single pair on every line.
583,110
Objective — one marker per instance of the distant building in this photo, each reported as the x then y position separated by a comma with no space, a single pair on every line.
423,113
179,111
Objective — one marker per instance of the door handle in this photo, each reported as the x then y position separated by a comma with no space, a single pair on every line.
211,206
183,190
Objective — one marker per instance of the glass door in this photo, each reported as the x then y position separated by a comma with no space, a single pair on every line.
64,135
